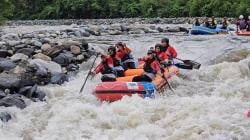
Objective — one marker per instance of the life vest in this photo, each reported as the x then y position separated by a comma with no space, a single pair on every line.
147,67
106,69
116,61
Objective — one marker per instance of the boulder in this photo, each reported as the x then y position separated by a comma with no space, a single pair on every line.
75,49
10,81
59,78
39,94
84,33
54,51
13,43
28,35
69,43
6,65
46,40
84,45
2,94
37,43
80,58
13,100
51,66
159,29
45,47
4,53
72,67
10,36
115,32
26,51
28,91
17,47
19,56
63,59
4,116
42,56
173,29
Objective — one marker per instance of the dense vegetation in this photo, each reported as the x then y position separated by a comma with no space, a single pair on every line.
62,9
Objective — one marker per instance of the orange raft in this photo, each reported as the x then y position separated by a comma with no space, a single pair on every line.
113,91
243,33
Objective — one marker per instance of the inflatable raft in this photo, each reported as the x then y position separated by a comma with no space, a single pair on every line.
200,30
243,33
113,91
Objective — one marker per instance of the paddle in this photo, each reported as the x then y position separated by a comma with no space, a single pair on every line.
170,87
188,64
88,73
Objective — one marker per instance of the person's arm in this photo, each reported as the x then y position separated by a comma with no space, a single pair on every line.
173,52
110,62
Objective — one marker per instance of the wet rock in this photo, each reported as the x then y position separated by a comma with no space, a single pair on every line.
42,56
13,100
84,45
39,94
28,35
84,33
59,78
45,47
10,36
6,65
9,81
27,79
19,56
115,32
28,91
75,49
173,29
77,33
183,29
45,40
13,43
152,27
124,28
27,41
72,67
37,43
4,116
4,53
80,58
26,51
54,51
2,94
17,47
51,66
137,31
159,29
63,59
69,43
2,43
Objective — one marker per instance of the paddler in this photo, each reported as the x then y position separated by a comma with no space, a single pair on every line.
106,67
116,61
248,23
124,53
168,49
151,67
241,23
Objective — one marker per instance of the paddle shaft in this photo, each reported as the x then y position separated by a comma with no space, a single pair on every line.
88,74
170,87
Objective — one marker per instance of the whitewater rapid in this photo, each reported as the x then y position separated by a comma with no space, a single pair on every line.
208,104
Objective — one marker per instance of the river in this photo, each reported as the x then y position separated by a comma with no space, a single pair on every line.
207,104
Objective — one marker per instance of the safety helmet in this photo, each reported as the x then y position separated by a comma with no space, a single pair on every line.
165,40
112,48
103,56
249,17
158,46
241,17
150,52
119,44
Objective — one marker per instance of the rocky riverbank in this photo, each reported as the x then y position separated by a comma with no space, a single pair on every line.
28,60
182,20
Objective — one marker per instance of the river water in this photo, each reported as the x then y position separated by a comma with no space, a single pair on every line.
208,104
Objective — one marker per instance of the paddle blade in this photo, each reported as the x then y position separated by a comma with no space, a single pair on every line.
194,64
184,66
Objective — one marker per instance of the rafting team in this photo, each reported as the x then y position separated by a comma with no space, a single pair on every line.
241,23
120,58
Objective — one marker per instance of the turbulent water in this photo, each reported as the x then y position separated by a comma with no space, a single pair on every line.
208,104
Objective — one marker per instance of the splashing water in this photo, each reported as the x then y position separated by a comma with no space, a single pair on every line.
208,104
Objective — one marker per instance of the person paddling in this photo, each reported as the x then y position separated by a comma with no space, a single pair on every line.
151,67
248,23
117,61
124,53
106,67
168,49
241,23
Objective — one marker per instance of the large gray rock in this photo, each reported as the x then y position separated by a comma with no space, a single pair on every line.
59,78
64,59
13,100
4,116
28,91
6,65
84,33
26,51
10,81
51,66
19,56
174,29
45,47
13,43
17,47
54,51
39,94
42,56
10,36
28,35
37,43
67,44
4,53
75,49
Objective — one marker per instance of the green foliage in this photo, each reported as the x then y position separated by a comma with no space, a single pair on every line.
63,9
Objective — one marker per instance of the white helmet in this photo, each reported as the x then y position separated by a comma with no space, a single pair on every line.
249,17
241,17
